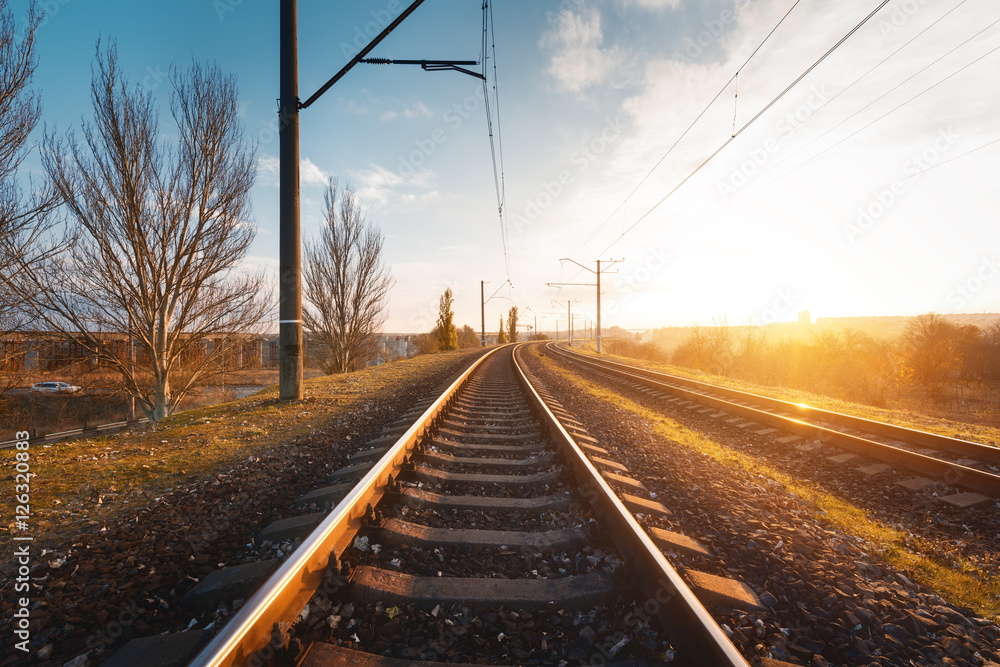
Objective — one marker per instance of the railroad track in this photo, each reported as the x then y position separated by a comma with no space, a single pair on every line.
960,463
492,528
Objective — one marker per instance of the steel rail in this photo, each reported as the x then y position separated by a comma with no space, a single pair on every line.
680,612
289,589
912,435
952,473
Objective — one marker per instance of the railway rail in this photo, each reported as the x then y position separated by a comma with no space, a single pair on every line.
492,509
961,463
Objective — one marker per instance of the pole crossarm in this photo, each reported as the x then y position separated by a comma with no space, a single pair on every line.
497,292
598,272
431,65
361,54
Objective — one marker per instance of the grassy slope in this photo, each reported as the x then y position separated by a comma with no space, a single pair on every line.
975,432
87,482
957,580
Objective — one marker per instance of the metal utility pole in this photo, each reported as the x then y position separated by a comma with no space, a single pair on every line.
483,301
598,306
598,285
569,316
290,252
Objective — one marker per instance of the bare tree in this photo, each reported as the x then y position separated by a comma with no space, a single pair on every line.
930,347
346,285
447,335
23,220
154,274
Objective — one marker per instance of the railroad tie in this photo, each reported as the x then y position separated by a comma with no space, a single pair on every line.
577,591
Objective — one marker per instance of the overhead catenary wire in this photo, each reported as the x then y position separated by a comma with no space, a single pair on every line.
853,83
745,126
864,108
496,142
694,122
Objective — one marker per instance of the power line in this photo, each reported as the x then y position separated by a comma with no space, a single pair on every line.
496,147
930,168
725,86
866,107
746,125
760,189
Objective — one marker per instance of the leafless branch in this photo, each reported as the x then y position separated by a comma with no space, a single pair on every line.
161,233
345,284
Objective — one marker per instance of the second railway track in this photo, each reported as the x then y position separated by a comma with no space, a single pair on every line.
971,466
483,533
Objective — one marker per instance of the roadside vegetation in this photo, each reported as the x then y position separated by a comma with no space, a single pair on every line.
446,335
82,484
937,376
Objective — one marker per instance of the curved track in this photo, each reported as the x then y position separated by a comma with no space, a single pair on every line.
960,463
485,513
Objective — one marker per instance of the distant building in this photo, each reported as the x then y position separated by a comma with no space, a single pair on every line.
805,319
42,351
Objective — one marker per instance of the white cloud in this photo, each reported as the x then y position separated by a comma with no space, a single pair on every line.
269,168
353,106
578,61
379,186
310,174
654,4
417,110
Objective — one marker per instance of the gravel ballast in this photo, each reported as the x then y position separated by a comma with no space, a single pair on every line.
829,599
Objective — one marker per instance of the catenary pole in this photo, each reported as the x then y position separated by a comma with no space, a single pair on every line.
290,253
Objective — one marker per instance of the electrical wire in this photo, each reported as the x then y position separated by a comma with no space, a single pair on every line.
867,73
861,110
930,168
496,146
725,86
745,126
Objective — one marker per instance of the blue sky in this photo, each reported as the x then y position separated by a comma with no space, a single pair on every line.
806,209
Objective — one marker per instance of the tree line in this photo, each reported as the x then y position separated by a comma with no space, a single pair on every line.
446,336
930,355
140,232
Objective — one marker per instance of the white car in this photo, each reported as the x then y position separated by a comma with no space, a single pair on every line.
55,388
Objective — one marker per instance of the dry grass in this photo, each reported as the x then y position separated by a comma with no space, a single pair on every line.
85,483
956,429
956,580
